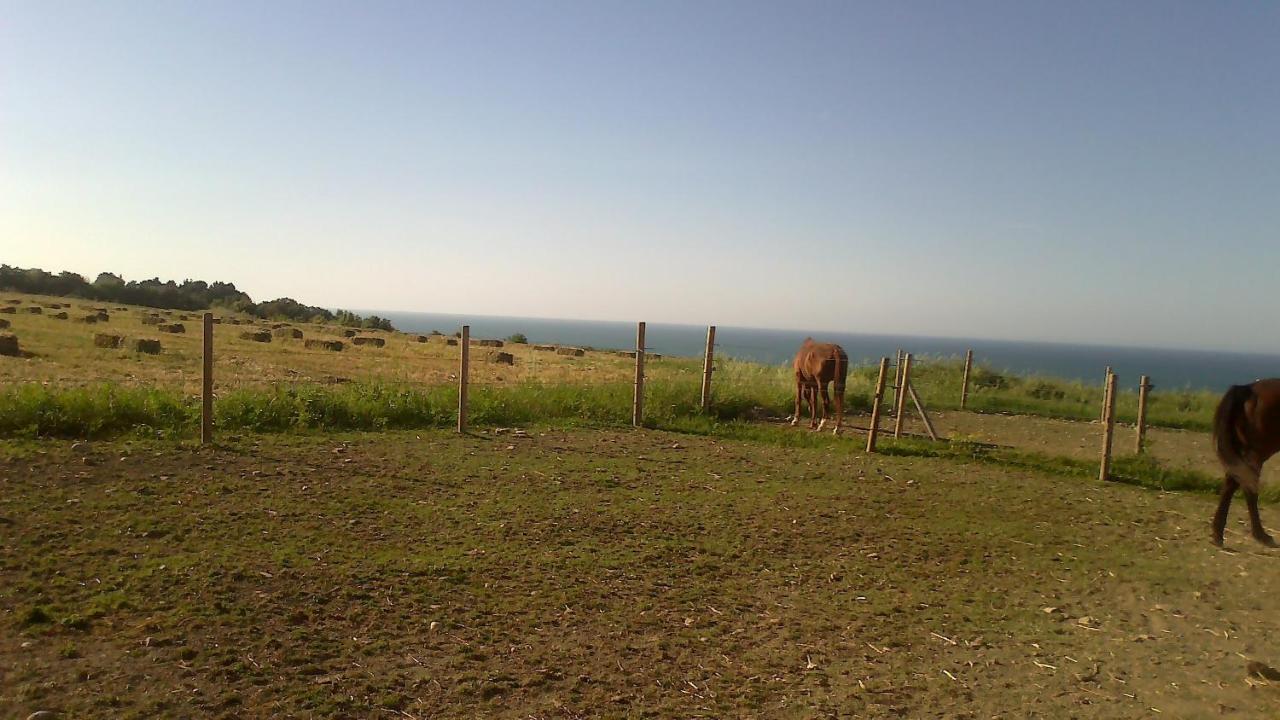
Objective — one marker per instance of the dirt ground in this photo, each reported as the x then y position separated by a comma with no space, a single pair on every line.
610,573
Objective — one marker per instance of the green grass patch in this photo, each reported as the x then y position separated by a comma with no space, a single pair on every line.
742,391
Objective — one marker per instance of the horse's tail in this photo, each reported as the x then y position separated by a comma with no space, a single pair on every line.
1226,441
842,369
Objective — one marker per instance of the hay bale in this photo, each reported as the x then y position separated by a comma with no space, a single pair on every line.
122,309
545,348
571,352
33,310
4,324
350,333
499,357
172,328
87,319
152,319
420,338
331,345
150,346
102,316
626,353
104,340
288,333
60,315
9,345
489,343
256,336
9,310
374,341
451,341
15,301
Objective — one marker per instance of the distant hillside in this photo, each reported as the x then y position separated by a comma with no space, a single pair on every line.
187,295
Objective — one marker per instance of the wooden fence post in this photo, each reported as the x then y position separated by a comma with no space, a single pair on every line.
964,384
464,368
707,368
897,378
206,408
1144,386
1108,427
1106,389
902,394
637,404
876,402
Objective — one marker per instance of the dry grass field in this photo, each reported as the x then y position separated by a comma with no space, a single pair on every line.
61,352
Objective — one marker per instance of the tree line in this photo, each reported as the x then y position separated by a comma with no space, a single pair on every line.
186,295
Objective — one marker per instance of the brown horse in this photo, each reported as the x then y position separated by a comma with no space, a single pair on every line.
818,365
1246,431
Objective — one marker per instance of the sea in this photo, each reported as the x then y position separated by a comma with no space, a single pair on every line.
1168,369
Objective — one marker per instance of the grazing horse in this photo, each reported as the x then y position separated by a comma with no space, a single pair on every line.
818,365
1246,431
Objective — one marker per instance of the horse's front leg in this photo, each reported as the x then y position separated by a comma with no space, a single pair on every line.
795,417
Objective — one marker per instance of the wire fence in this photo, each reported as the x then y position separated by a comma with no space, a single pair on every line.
531,381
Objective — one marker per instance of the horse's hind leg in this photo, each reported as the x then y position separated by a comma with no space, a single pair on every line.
799,392
812,391
1255,521
1229,485
826,403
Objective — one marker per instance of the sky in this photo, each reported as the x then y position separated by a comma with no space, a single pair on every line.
1093,172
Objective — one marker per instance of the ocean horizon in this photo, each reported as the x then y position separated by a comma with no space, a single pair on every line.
1168,368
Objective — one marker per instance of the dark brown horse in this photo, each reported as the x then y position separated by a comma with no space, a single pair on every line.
1246,431
818,365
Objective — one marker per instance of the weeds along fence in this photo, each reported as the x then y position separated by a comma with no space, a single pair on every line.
381,381
236,384
198,386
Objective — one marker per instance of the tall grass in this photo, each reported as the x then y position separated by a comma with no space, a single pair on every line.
939,382
32,410
741,391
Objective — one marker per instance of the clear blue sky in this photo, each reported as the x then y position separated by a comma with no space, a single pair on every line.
1099,172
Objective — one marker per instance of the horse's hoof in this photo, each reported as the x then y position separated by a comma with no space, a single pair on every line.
1217,542
1266,540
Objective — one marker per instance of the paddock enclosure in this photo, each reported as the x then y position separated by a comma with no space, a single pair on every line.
972,544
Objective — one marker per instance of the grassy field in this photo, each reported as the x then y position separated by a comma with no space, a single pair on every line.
66,386
576,573
712,564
